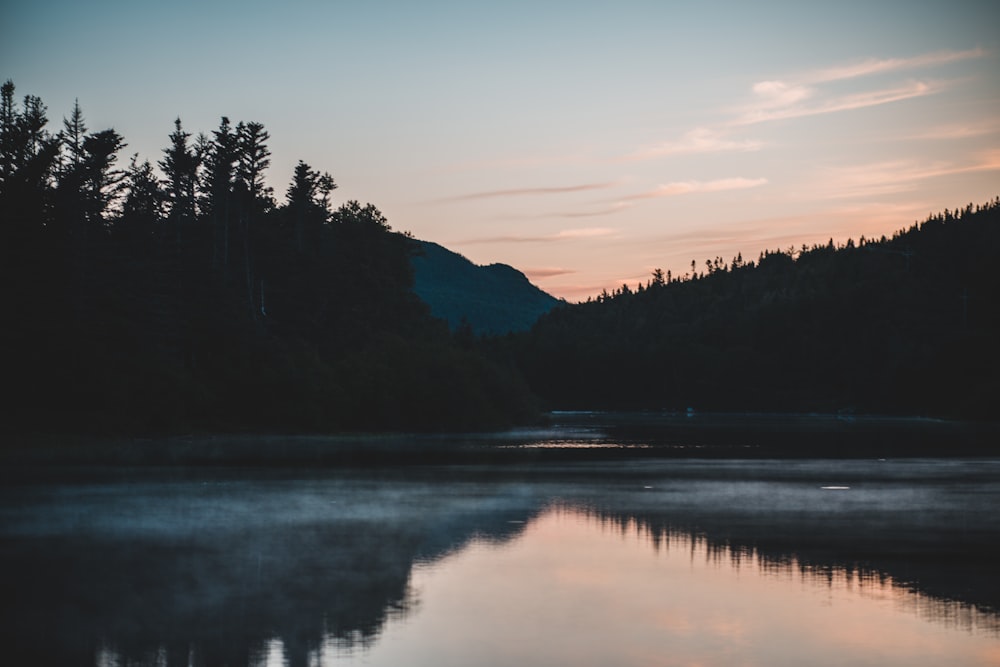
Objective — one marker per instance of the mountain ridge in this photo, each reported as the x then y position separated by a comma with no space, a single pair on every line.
493,299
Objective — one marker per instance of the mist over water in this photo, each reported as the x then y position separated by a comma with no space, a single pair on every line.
632,562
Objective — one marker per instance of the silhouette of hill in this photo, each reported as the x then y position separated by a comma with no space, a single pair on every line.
191,298
492,299
901,325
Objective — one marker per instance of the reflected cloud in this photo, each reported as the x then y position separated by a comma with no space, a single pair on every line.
316,570
719,545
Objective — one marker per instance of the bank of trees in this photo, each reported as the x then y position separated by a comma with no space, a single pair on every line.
188,295
907,324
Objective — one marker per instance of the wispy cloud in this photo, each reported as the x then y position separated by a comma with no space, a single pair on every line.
780,94
617,207
529,192
769,108
879,65
581,157
698,140
537,273
564,235
574,293
689,187
898,175
959,130
804,95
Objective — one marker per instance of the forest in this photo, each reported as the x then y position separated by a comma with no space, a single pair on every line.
906,325
195,299
187,296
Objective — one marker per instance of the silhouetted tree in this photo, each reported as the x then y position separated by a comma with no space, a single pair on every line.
308,203
220,175
103,183
143,204
28,160
253,199
116,318
180,169
73,134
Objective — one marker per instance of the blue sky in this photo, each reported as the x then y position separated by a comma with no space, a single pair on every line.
584,143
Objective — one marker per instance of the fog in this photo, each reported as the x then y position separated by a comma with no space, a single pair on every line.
218,562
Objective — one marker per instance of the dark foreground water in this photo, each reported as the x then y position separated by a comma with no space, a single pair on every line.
641,561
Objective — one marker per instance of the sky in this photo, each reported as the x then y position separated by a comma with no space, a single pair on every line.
584,143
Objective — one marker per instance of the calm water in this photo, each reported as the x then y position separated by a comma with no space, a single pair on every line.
629,562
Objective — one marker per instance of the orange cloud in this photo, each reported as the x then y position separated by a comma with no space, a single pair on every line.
617,207
689,187
564,235
877,66
698,140
959,131
897,176
546,272
521,192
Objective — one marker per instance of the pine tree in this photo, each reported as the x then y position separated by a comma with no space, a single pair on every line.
102,185
253,197
180,169
220,175
73,134
308,201
143,203
28,159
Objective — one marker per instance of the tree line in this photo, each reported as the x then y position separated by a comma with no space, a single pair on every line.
188,296
900,325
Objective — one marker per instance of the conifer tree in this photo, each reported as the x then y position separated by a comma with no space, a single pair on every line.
220,175
73,134
253,197
308,201
28,159
102,184
180,169
143,203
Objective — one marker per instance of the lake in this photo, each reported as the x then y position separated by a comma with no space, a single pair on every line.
573,559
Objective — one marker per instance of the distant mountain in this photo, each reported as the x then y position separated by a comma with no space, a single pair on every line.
493,299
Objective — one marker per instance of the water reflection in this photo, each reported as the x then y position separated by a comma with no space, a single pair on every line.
583,563
585,589
859,578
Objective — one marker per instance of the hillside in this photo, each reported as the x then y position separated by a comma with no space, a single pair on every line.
198,301
904,325
493,299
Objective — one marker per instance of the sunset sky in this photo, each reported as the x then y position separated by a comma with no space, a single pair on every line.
584,143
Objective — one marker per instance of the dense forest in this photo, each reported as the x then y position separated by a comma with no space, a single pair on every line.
186,295
901,325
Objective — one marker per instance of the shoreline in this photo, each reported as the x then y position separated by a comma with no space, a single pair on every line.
567,436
